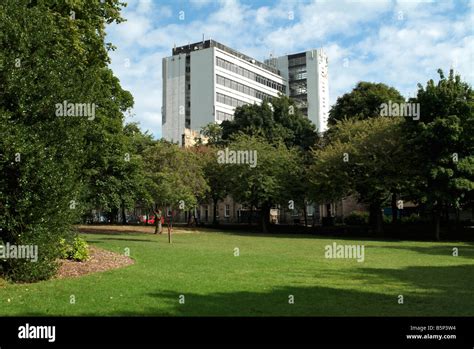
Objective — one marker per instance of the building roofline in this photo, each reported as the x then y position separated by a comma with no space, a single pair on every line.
201,45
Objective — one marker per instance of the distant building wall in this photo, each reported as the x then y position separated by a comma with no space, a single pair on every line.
173,109
202,89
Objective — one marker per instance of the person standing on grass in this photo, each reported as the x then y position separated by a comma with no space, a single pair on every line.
158,226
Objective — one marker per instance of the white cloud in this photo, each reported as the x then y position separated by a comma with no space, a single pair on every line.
364,41
144,6
134,28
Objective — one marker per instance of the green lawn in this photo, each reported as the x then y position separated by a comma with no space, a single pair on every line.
203,268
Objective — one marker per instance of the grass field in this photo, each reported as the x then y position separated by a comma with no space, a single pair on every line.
202,267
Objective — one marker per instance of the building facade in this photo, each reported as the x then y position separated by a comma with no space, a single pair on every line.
206,81
228,211
306,75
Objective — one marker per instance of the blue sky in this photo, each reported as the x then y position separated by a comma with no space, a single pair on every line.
399,43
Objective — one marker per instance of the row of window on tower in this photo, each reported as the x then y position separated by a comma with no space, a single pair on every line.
297,61
221,116
242,88
249,74
234,102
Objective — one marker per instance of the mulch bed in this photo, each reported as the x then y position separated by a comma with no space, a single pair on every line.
99,260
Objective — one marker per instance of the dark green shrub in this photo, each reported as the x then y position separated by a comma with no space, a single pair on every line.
45,266
412,219
327,221
357,218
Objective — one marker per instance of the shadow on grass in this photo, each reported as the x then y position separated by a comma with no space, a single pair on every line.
303,236
446,251
444,291
449,281
308,301
427,291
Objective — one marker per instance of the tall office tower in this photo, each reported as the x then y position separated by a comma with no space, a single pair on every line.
306,74
204,82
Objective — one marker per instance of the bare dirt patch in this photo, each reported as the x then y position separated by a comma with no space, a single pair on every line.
117,229
100,260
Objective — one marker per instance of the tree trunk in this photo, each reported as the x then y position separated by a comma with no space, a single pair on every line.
113,215
198,216
214,212
265,219
376,218
305,214
379,229
170,226
394,209
458,219
124,217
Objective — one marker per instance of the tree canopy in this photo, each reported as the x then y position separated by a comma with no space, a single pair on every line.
275,120
51,53
442,142
363,102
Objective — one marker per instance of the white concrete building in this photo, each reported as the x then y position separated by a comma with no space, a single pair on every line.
204,82
306,75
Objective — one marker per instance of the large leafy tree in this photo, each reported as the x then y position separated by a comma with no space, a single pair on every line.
175,175
111,173
360,161
363,102
269,182
213,133
216,175
50,52
114,170
281,124
137,142
442,142
275,120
